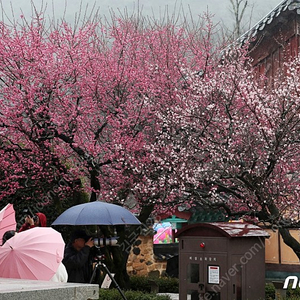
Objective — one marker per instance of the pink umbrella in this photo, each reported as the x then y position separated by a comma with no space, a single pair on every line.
32,254
7,220
163,233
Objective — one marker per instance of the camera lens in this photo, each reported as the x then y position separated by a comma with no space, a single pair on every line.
112,241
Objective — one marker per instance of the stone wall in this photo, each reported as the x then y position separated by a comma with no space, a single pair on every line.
142,260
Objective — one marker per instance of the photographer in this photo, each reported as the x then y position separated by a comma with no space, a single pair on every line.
78,257
39,219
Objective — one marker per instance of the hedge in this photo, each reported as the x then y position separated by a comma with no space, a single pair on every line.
114,294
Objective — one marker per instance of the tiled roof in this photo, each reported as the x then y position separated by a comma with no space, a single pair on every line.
200,216
240,229
228,229
268,19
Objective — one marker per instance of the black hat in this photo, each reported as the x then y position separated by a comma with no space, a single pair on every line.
7,235
79,234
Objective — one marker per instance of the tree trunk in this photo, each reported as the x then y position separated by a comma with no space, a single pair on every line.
145,213
290,241
283,230
95,184
120,261
117,257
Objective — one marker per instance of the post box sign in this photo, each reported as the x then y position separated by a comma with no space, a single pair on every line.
107,281
214,274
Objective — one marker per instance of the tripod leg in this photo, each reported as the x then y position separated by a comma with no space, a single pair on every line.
113,280
94,272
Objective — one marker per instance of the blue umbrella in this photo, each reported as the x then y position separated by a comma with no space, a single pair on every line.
96,213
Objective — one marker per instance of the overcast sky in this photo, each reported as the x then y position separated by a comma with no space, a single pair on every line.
220,8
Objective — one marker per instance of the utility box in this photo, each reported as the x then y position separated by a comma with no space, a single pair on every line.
221,261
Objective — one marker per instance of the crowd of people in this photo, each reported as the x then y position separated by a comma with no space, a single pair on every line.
77,264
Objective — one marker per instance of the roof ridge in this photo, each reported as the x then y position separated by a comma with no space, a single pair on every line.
267,19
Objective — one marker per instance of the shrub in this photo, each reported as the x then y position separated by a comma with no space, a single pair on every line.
165,284
270,291
141,290
293,293
114,294
140,283
168,285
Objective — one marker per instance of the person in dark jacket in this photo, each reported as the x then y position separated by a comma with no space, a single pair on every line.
78,257
38,220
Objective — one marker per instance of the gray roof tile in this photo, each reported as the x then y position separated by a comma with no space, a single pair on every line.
268,19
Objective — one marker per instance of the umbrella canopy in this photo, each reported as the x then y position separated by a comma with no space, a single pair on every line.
163,233
96,213
7,220
32,254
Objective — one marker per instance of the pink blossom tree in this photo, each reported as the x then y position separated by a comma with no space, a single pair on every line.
91,97
243,143
91,104
135,107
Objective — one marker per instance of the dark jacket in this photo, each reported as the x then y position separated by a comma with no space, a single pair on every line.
79,264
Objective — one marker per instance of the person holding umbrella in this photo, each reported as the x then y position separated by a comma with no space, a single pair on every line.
34,254
78,258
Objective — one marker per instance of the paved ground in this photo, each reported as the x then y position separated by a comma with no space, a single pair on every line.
173,296
15,289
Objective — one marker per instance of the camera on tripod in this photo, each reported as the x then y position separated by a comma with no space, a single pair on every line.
100,243
99,259
97,254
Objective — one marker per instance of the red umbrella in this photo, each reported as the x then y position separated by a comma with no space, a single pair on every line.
32,254
7,220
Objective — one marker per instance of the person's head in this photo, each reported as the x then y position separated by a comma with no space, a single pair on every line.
78,239
40,220
7,235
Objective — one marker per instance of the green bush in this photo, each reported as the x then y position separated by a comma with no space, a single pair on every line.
171,285
140,283
114,294
293,293
141,290
270,291
168,285
165,284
